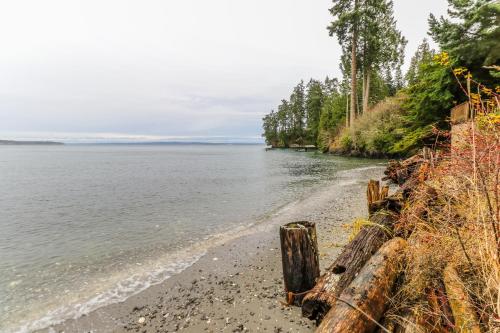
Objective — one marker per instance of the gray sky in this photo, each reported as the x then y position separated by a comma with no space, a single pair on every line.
155,70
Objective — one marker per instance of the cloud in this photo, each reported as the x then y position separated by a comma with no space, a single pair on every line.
167,68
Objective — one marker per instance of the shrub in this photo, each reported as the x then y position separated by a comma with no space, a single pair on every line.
375,132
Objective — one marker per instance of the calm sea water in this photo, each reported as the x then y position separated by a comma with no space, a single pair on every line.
84,226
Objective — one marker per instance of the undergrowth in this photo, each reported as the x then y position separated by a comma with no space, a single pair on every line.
452,220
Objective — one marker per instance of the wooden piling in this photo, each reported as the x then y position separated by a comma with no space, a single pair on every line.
299,250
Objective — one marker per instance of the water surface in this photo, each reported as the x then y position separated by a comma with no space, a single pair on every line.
83,226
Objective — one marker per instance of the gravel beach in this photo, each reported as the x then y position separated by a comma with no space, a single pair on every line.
237,285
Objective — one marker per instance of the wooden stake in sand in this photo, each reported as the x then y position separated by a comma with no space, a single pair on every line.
299,252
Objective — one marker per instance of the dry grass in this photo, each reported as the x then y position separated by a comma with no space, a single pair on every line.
453,219
373,132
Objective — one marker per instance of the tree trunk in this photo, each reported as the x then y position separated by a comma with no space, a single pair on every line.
463,311
299,251
345,268
363,303
354,69
347,112
366,90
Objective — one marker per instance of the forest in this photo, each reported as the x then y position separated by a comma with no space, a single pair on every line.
374,109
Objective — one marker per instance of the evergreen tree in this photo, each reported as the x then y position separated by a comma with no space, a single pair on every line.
298,113
382,44
314,102
270,126
347,16
284,123
423,54
367,30
332,118
471,35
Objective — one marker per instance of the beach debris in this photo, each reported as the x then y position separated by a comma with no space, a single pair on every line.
461,306
141,320
300,258
346,267
360,307
375,193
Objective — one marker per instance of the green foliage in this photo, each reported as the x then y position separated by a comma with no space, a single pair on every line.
432,92
376,132
471,35
424,54
298,119
332,118
270,126
370,25
314,102
298,113
412,140
432,96
395,125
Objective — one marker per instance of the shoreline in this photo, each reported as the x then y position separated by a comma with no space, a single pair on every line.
236,285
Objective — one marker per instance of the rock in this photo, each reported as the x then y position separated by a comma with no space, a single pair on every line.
141,320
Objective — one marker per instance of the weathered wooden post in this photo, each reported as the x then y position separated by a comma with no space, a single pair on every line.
374,193
299,252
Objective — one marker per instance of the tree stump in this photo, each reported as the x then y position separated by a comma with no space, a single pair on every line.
299,252
375,194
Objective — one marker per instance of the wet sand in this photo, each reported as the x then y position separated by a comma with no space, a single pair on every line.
237,286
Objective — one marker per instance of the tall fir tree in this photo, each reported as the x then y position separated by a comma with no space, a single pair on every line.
298,113
314,102
345,26
423,54
367,30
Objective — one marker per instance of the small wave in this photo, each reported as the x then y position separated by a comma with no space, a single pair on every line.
119,293
150,274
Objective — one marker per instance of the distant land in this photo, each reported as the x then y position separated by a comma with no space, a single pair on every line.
26,143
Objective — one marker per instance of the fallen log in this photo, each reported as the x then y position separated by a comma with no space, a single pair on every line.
409,323
441,310
360,306
463,311
340,274
300,257
400,171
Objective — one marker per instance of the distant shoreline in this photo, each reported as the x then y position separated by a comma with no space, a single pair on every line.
28,143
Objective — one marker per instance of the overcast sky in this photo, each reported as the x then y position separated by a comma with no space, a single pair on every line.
163,69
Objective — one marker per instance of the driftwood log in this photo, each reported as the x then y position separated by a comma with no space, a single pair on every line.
300,257
359,307
342,272
463,311
408,323
438,302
